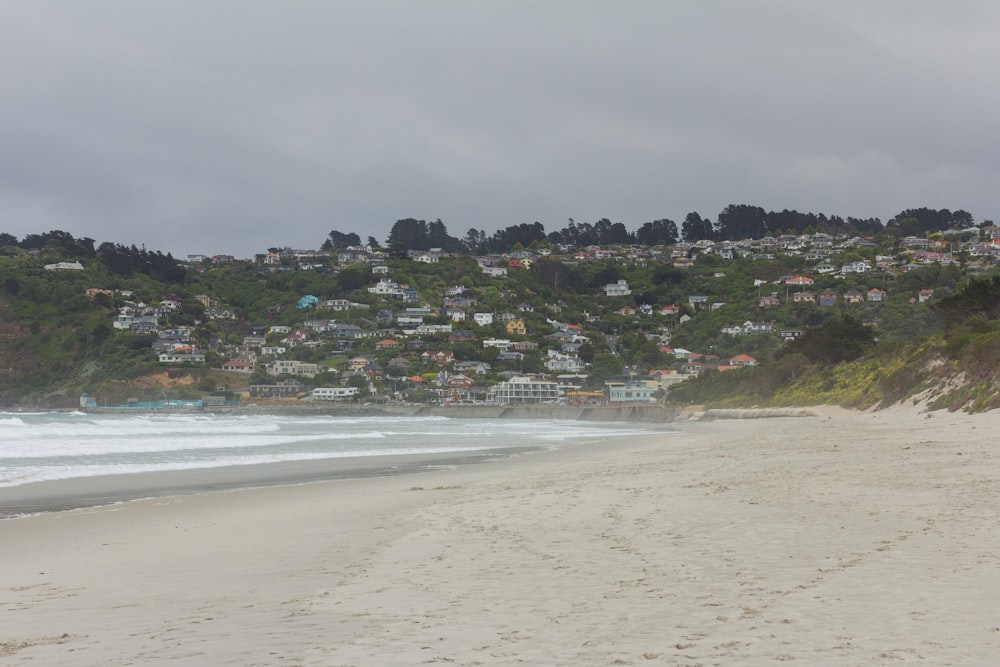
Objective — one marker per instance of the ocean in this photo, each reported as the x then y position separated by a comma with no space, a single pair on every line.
114,457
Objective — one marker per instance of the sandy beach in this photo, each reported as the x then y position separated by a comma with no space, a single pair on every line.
841,539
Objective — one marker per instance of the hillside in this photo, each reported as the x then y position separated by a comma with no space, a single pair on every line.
693,323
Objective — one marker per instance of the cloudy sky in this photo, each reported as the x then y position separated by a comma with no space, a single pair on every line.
228,126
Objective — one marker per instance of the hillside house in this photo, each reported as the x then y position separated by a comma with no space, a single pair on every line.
439,357
517,328
875,295
617,289
292,367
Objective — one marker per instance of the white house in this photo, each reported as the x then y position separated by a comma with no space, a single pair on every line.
499,343
332,393
619,288
386,288
524,390
564,363
483,319
292,367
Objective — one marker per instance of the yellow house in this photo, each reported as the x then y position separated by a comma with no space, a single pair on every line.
516,328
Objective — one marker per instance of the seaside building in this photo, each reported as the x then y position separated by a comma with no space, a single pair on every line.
332,393
523,389
281,389
631,390
292,367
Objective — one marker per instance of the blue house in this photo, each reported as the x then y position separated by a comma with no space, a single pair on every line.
308,301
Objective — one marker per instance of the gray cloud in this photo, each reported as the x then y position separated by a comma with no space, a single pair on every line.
231,126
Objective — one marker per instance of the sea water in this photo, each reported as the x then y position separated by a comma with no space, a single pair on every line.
47,446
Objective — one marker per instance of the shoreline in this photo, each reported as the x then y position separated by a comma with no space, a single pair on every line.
74,493
847,538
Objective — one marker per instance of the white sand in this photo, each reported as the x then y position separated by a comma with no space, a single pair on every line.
850,539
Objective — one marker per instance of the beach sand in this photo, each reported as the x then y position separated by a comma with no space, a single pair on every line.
844,539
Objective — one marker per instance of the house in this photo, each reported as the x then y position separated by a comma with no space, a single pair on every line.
459,381
925,295
748,328
345,331
499,343
307,301
771,301
64,266
295,338
564,363
853,296
238,366
495,271
875,295
92,293
428,329
341,304
281,389
800,281
332,393
387,344
180,356
827,298
524,389
860,266
670,310
517,328
455,314
476,367
619,288
631,390
698,301
668,377
627,311
743,360
399,362
292,367
804,297
360,361
385,287
439,357
461,337
483,319
416,344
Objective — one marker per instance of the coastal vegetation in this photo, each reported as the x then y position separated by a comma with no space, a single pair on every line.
755,308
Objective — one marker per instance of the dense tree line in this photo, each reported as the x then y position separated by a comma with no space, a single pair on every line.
119,259
129,260
734,223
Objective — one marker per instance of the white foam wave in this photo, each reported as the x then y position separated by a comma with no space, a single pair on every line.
47,474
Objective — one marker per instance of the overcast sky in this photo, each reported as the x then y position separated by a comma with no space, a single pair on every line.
214,126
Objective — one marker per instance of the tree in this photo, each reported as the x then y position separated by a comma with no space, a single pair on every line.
696,228
604,367
740,221
12,286
657,232
409,233
843,339
340,240
474,240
